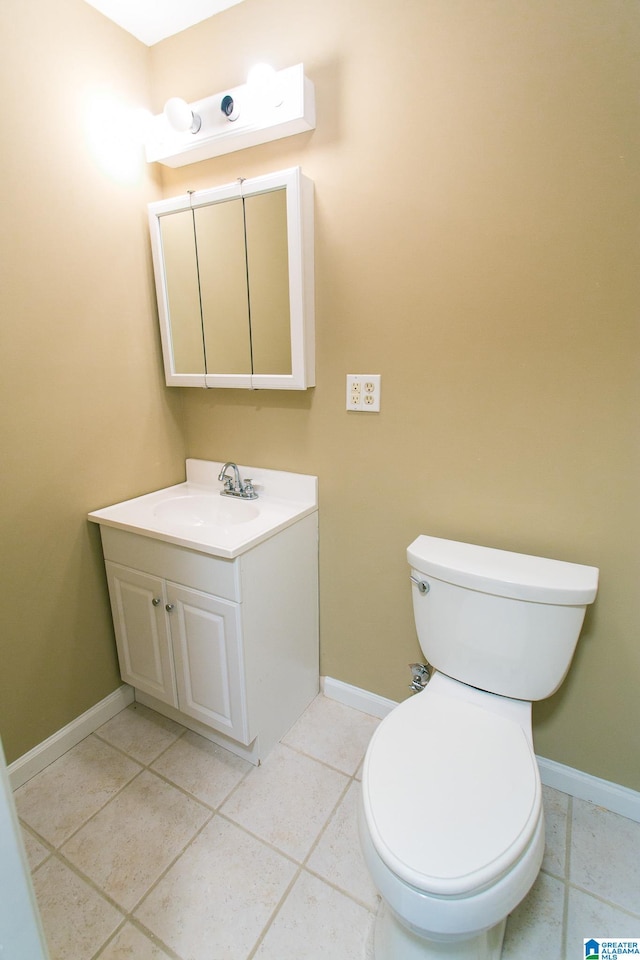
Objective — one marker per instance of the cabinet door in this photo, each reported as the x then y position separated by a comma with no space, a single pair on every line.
268,258
183,299
209,661
223,287
140,622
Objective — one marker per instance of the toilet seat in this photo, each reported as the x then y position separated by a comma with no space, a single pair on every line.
451,794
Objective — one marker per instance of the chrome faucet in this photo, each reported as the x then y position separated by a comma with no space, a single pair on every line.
234,486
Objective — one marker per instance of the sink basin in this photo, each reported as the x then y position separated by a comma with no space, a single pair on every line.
206,510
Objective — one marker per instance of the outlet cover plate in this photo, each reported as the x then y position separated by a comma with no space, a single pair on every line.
363,392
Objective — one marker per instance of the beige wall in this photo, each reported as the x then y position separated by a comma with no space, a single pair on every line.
85,419
476,171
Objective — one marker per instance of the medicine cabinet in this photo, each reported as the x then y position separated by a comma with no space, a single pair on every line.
234,280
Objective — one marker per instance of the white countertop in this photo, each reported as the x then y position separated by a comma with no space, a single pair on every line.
194,515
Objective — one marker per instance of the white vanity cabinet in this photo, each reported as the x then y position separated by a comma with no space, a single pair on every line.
228,647
182,646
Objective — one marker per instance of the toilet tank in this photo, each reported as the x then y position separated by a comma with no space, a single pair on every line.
504,622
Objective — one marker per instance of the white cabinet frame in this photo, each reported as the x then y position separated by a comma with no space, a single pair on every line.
299,194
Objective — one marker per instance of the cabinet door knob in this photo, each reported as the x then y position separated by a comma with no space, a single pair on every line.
156,601
169,607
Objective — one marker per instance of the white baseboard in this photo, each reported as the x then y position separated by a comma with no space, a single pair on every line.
54,746
357,698
584,786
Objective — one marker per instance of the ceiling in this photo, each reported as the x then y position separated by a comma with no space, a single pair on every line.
153,20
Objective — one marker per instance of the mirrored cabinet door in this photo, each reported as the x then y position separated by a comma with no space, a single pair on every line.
268,273
223,287
234,279
183,299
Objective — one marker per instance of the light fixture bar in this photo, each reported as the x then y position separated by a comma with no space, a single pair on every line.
255,120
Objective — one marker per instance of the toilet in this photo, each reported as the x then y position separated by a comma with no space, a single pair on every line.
451,822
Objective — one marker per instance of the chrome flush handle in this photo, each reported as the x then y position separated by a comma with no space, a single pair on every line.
422,585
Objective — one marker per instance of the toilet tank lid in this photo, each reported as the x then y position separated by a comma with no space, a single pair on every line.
503,573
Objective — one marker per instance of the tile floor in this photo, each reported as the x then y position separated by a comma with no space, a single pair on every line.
148,842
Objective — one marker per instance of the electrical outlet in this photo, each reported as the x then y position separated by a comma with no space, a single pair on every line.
363,392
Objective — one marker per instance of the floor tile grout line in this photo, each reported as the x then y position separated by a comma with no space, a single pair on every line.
567,875
324,827
236,786
143,766
84,823
128,914
147,763
167,779
604,900
213,808
40,839
318,840
109,940
256,836
299,872
228,817
60,857
53,850
304,863
341,890
155,939
274,914
150,935
169,866
145,931
325,763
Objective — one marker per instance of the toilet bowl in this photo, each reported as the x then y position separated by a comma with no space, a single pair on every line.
451,821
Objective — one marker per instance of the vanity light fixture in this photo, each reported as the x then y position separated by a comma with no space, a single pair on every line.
270,105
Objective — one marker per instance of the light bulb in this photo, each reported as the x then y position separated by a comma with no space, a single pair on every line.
180,115
260,75
263,82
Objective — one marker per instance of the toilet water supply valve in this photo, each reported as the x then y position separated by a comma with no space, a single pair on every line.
421,674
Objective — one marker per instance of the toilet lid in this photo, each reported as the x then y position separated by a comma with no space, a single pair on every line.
451,793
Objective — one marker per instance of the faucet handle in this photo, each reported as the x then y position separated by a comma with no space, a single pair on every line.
248,490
